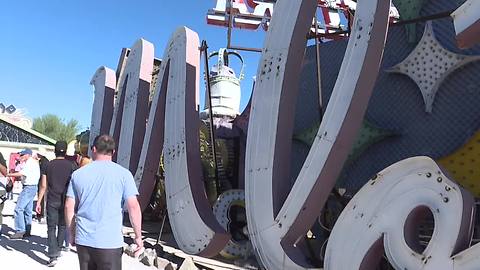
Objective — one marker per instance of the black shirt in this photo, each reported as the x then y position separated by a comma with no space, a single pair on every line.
2,161
43,162
58,172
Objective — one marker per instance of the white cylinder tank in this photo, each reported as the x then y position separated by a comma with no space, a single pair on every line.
224,86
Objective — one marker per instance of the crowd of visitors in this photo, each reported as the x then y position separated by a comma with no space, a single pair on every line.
83,201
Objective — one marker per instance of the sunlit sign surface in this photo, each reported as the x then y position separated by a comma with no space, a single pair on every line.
333,15
381,218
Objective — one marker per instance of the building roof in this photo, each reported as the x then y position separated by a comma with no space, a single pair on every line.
12,132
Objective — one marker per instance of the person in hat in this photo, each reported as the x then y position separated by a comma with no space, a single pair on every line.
56,180
23,210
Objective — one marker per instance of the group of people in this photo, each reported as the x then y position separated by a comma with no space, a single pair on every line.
84,200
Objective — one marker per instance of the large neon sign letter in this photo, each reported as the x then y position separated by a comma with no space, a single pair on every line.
276,226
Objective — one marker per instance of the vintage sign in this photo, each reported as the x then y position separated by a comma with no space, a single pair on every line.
103,82
14,115
249,14
332,15
7,109
466,20
278,215
275,225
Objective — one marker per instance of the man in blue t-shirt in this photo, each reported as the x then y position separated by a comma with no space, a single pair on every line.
93,208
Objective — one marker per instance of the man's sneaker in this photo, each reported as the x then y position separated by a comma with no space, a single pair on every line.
52,262
26,235
17,235
65,249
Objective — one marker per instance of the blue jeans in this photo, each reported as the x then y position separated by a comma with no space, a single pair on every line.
24,209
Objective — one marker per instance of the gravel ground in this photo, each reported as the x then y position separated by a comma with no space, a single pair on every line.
31,253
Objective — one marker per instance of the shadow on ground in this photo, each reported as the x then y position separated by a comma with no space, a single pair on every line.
27,246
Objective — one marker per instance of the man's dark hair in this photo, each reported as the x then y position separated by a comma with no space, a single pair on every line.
104,144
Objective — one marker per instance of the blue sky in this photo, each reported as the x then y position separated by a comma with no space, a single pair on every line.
51,49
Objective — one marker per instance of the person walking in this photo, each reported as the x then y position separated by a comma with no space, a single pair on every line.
23,210
94,209
3,165
3,187
80,162
43,162
55,180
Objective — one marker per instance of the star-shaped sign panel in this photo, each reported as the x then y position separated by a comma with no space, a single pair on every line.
429,64
368,135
